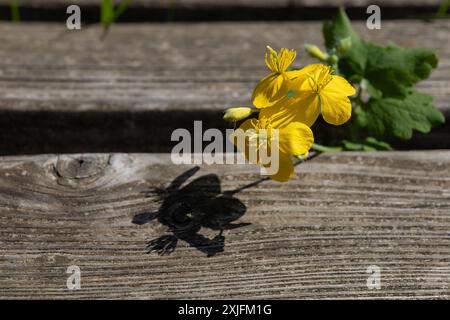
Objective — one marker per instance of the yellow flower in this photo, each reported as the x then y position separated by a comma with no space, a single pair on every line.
278,143
315,91
274,86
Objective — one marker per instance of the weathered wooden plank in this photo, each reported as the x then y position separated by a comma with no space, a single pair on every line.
168,67
313,237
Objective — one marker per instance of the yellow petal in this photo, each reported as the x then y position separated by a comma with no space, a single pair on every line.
269,90
335,105
336,108
244,133
311,69
285,169
303,108
294,74
340,85
248,124
286,57
245,126
295,139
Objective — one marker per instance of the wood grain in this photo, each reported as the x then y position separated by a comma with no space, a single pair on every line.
171,66
313,237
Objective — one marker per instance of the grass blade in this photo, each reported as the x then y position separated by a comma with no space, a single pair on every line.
442,11
121,8
107,13
15,12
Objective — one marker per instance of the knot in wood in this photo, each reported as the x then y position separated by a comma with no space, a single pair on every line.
75,169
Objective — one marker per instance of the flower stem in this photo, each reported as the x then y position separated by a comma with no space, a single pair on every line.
321,148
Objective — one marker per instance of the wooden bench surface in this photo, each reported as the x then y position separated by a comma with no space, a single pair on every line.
114,214
313,237
171,66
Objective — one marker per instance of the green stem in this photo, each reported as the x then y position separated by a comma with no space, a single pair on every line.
321,148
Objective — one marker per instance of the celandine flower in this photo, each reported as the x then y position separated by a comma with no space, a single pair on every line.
289,103
291,138
315,90
274,86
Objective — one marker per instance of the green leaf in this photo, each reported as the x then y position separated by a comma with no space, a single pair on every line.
399,116
394,69
352,61
388,74
371,90
368,144
390,69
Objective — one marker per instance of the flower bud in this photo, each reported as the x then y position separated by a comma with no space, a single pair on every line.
315,52
344,45
236,114
333,59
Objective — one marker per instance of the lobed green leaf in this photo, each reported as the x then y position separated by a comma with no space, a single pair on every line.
400,116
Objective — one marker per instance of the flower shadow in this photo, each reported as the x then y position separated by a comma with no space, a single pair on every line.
200,203
186,209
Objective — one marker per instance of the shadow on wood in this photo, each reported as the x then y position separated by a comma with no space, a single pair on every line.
185,210
201,203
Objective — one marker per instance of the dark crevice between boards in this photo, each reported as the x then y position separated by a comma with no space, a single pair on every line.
91,14
41,132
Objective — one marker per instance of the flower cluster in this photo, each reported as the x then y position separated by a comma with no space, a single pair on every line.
290,101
